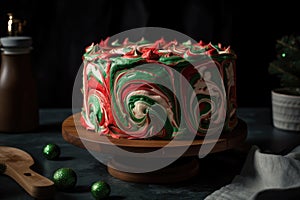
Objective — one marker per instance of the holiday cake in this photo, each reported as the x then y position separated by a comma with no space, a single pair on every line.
120,90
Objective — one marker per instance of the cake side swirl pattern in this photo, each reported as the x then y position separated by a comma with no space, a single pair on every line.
118,95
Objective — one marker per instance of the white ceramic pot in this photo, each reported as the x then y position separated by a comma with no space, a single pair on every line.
286,108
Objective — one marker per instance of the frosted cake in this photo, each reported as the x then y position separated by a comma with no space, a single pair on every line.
117,97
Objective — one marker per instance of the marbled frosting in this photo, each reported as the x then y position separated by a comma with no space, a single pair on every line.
117,97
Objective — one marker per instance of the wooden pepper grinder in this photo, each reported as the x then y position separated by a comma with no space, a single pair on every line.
18,92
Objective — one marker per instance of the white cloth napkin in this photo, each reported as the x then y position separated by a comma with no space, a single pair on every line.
264,176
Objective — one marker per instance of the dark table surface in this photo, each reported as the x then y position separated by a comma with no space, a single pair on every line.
216,170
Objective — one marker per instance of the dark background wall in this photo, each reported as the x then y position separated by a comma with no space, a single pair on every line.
62,29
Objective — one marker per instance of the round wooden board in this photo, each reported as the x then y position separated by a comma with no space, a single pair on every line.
77,135
95,142
181,170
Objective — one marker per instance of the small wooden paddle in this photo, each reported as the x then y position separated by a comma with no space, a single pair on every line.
16,164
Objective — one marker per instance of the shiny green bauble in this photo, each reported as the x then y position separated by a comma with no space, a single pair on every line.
65,179
100,190
51,151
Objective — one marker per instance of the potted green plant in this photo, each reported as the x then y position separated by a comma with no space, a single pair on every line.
286,99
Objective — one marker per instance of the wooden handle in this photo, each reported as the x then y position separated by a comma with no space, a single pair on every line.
35,184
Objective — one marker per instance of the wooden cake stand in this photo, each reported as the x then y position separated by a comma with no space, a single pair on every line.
182,169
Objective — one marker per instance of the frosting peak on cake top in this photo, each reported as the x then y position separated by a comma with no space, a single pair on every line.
160,50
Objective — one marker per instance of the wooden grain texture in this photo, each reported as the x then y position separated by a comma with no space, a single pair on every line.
18,163
176,172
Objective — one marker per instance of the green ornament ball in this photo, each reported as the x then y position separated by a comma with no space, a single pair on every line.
65,178
100,190
51,151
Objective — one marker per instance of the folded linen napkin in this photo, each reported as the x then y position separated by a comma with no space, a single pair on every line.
264,176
